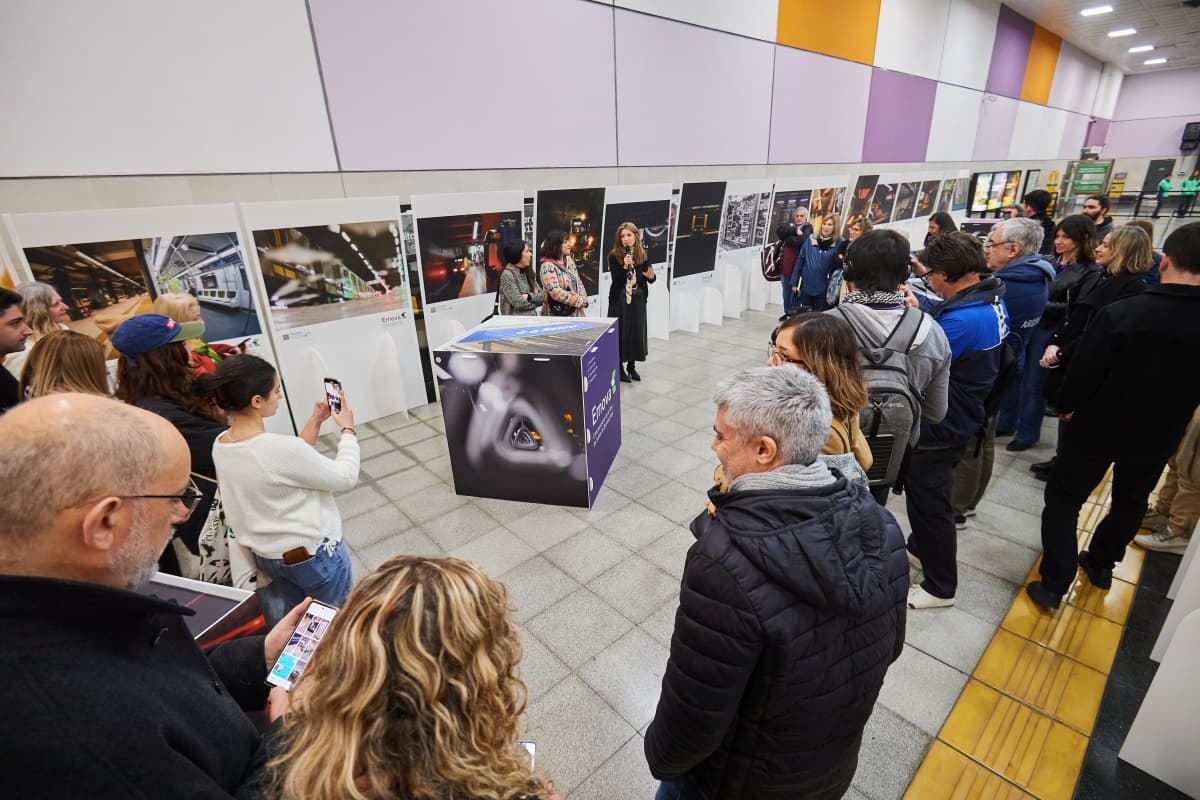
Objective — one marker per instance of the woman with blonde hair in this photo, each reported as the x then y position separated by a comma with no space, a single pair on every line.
816,264
412,693
45,312
825,345
64,361
202,356
632,275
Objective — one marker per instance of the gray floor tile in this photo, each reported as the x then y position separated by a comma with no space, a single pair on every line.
546,526
357,568
670,551
667,430
576,732
459,526
698,418
426,411
1022,527
496,552
669,461
892,749
367,529
409,543
540,670
394,421
661,624
635,526
1020,497
375,446
608,501
625,776
995,555
659,384
437,423
428,449
635,481
411,434
503,511
636,588
634,418
628,675
635,445
386,464
950,635
855,794
586,554
578,626
359,501
535,585
431,502
699,444
405,484
441,467
984,595
677,502
921,689
662,406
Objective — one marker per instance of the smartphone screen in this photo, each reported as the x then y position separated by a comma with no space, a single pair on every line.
333,393
531,749
300,646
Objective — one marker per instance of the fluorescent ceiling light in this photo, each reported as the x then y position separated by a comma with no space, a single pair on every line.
1151,61
1096,10
1142,48
1122,32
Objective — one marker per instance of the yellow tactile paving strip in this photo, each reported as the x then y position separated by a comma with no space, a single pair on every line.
1020,727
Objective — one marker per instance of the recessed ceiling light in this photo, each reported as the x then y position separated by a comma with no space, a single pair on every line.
1095,10
1142,48
1122,32
1150,61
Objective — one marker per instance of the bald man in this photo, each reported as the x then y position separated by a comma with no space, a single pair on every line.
105,693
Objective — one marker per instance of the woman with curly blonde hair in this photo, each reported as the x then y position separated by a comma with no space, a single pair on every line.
413,693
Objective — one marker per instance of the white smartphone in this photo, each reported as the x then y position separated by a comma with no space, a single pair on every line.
300,645
333,393
531,749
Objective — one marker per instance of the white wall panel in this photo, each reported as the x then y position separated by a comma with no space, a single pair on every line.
1038,132
1107,93
911,34
955,120
139,86
755,18
1076,80
1159,94
1075,133
970,34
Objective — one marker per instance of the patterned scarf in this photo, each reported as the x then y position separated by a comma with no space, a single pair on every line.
874,298
630,284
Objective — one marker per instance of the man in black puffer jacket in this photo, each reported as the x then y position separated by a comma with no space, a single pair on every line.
791,610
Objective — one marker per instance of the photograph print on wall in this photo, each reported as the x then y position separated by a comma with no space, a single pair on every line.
882,203
927,199
698,227
783,209
577,213
461,255
740,220
860,199
958,202
652,218
906,201
825,202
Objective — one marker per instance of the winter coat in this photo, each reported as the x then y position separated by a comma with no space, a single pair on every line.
1130,384
1026,286
791,609
562,284
975,322
814,265
106,695
1047,248
514,286
792,237
1065,290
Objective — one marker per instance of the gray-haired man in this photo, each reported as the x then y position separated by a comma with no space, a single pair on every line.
791,610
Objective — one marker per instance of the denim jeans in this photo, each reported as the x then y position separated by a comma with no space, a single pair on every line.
326,577
791,300
1033,389
816,302
1010,401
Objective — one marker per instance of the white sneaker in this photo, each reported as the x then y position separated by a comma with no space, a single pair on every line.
913,561
970,512
919,598
1163,541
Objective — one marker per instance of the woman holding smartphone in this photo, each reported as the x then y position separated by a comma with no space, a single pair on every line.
631,278
278,490
413,692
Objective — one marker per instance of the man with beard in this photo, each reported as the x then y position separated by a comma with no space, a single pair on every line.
105,692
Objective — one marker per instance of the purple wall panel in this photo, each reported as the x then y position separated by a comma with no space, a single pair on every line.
1145,137
422,85
1010,53
997,117
836,134
1098,134
690,95
898,117
1074,133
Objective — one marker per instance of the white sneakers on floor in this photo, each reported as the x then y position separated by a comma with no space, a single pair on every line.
919,598
1163,541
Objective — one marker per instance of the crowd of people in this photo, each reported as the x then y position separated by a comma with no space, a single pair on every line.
892,372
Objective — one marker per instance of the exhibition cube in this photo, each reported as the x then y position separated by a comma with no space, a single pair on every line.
532,408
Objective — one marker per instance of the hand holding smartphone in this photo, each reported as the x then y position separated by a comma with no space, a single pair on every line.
333,393
300,645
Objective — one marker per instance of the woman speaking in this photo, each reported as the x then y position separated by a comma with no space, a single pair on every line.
631,278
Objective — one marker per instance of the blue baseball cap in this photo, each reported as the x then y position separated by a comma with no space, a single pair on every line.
146,332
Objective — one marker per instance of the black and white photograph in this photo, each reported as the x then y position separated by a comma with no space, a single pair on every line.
652,218
322,273
698,227
461,255
740,220
578,213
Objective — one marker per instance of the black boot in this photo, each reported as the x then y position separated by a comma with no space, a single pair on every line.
625,377
633,373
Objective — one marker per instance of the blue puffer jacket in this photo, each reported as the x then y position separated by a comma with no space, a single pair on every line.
975,322
1026,287
814,264
791,609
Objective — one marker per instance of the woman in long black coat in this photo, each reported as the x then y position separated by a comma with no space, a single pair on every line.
631,278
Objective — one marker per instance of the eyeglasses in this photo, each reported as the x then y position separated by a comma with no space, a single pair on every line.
774,351
990,245
190,498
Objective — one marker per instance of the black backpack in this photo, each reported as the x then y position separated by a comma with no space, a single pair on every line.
892,417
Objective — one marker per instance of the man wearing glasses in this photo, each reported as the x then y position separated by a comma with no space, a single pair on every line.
105,692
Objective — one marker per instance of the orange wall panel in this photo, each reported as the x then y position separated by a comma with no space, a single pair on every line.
845,29
1039,69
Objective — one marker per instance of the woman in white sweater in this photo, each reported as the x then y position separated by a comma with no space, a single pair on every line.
278,490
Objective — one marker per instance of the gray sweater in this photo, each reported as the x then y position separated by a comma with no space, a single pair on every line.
514,286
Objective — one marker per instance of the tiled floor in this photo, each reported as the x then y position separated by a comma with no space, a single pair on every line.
596,591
